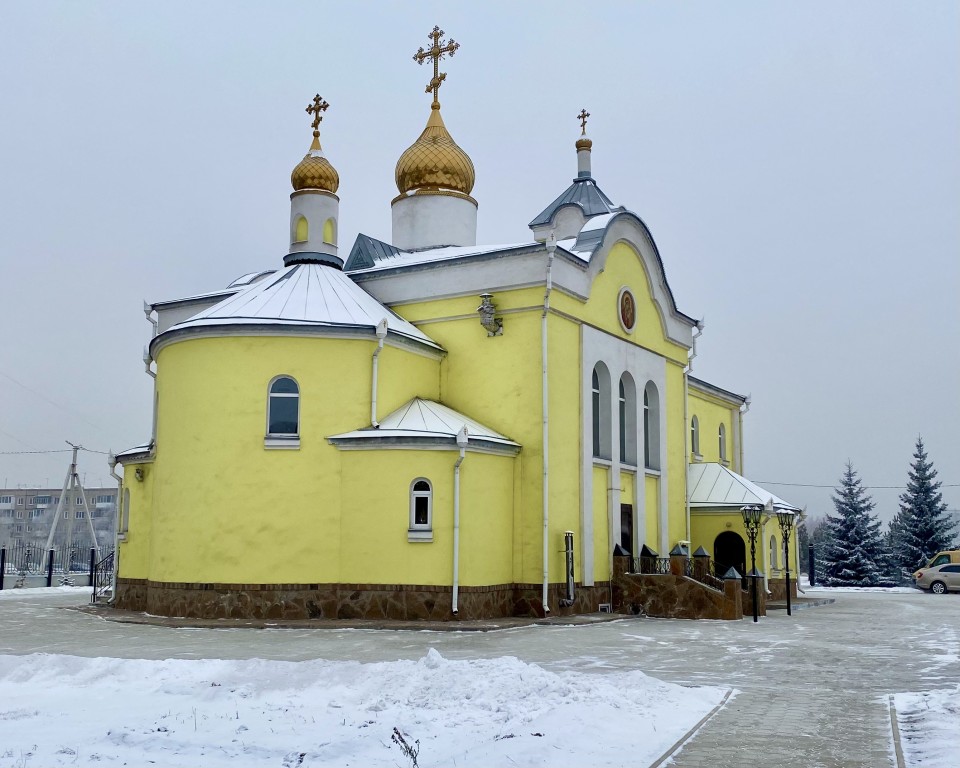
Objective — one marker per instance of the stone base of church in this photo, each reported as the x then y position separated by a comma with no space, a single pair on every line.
778,589
403,602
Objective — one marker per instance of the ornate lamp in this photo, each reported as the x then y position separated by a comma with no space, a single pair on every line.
752,515
786,519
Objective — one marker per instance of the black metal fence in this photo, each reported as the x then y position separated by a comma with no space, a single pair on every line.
27,559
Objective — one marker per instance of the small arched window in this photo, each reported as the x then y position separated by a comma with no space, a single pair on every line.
773,551
283,409
421,505
303,230
628,420
722,437
695,436
330,231
651,426
600,401
125,512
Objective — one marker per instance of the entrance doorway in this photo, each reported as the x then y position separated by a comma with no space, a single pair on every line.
730,551
626,527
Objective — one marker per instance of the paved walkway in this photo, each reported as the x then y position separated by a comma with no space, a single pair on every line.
812,686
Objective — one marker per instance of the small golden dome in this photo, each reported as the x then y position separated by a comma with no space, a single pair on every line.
434,161
315,171
584,143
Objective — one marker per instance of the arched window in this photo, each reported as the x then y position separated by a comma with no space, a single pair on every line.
695,436
600,400
722,437
651,426
283,409
773,551
628,420
330,231
303,231
421,505
125,512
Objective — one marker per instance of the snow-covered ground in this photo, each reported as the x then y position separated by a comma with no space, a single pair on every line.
827,590
929,725
16,594
67,710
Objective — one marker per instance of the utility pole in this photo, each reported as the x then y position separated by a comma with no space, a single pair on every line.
72,490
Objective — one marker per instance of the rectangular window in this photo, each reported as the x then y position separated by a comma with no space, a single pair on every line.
66,515
103,500
30,501
79,501
42,499
19,514
80,514
19,529
6,499
20,502
34,513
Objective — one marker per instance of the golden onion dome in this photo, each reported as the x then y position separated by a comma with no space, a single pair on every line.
435,162
315,171
584,143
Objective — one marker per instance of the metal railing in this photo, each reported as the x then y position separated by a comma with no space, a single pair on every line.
652,565
57,564
102,578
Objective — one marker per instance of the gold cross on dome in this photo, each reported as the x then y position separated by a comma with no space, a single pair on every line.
436,52
315,108
582,117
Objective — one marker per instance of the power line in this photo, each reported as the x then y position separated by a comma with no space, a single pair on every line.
53,450
21,453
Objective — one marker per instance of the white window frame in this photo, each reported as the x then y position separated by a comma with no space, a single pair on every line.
695,438
420,532
773,552
722,437
283,440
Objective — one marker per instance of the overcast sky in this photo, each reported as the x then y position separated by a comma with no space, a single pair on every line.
798,165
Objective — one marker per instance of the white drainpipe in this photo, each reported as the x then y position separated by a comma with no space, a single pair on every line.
112,461
743,409
381,335
686,426
462,444
551,248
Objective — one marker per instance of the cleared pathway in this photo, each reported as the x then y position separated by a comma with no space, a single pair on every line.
812,686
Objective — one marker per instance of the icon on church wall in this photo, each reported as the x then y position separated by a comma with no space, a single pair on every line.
628,310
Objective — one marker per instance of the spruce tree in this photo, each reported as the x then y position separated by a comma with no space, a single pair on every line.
855,545
924,527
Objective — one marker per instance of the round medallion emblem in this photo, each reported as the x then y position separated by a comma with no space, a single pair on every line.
628,310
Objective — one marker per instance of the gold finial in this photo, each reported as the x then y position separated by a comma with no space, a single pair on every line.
582,117
315,108
436,52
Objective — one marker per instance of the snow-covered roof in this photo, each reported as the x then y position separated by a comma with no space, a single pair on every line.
137,452
312,295
426,422
250,277
369,254
713,485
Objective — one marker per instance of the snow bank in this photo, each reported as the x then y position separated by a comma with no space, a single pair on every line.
929,725
66,710
13,594
902,590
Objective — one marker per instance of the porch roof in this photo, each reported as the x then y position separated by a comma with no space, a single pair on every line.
713,485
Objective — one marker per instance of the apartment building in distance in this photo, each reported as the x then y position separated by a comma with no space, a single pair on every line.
27,515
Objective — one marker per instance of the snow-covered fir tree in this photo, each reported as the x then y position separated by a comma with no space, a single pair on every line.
922,527
855,552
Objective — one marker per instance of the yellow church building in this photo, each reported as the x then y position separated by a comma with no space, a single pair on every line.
431,428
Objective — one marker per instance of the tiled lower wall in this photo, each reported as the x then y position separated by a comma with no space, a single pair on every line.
349,601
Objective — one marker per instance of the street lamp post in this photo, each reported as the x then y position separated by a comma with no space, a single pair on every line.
785,519
751,521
